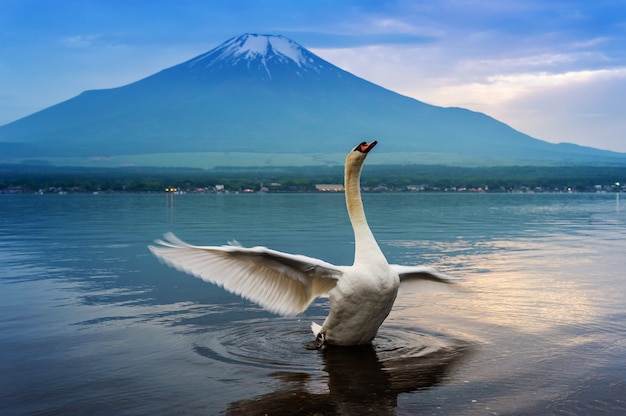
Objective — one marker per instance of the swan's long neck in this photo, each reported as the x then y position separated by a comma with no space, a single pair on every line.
366,248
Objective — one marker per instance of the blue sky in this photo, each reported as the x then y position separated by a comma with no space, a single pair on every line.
553,69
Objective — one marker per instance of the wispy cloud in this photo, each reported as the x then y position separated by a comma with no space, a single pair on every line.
81,41
93,42
497,89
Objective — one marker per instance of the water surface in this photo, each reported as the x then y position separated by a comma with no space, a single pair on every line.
91,323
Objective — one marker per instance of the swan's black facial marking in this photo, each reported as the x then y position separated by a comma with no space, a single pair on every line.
359,147
364,147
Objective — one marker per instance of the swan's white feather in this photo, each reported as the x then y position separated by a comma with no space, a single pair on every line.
416,280
316,328
282,283
421,273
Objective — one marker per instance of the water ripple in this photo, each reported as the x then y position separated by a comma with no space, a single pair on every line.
283,344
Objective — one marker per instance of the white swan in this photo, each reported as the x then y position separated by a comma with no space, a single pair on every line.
361,295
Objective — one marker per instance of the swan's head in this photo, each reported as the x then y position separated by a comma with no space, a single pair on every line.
358,154
365,147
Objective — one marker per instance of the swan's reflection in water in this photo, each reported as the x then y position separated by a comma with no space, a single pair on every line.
357,381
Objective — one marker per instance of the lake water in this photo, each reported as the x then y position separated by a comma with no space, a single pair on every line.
91,323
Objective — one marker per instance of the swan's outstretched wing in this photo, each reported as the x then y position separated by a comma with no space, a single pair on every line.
408,273
282,283
421,279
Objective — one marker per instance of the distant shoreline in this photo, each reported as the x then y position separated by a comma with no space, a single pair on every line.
375,178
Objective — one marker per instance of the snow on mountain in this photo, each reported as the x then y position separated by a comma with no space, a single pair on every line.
253,46
257,51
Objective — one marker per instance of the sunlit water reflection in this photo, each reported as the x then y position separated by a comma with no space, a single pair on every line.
90,323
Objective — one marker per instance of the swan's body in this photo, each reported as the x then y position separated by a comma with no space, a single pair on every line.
361,296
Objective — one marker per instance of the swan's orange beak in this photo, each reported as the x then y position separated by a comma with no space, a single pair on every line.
365,147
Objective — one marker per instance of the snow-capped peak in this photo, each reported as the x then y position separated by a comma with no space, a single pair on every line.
258,51
253,46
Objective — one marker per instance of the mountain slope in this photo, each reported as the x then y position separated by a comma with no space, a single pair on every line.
263,93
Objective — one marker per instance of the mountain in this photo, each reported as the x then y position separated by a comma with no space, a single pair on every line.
266,94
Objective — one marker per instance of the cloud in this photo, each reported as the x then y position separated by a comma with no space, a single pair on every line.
80,41
586,110
497,89
93,42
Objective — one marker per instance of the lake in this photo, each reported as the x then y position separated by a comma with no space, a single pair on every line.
92,323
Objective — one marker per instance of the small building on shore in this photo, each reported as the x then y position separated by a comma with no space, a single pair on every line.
329,187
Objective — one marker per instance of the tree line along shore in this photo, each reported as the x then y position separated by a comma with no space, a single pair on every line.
415,178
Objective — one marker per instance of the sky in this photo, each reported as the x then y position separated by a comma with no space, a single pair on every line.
553,69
